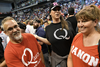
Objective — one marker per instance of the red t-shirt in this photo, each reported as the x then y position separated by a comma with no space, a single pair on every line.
84,56
24,54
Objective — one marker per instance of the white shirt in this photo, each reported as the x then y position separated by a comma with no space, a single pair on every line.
4,39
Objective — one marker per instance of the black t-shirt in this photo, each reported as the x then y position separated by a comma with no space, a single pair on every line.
60,39
1,49
73,22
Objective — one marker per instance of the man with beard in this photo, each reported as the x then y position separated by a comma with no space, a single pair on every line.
40,32
22,50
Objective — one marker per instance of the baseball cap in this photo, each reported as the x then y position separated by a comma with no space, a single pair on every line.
54,5
38,21
22,25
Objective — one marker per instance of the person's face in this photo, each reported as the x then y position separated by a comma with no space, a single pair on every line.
86,27
56,13
12,29
46,24
36,25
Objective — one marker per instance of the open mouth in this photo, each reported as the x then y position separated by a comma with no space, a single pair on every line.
57,14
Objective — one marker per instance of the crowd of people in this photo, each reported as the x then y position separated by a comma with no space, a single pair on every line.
23,3
42,13
61,35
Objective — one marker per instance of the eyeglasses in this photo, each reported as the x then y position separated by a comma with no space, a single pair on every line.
58,9
11,28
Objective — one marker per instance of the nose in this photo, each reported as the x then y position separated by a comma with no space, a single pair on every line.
14,29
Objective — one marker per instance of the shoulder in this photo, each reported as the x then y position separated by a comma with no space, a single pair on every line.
48,27
78,35
27,35
77,38
68,18
41,28
9,50
68,22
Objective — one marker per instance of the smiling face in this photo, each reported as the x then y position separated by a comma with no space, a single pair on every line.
55,13
88,19
86,26
12,29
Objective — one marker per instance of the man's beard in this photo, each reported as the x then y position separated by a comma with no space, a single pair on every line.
17,35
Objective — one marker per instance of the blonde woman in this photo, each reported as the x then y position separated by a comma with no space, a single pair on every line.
59,35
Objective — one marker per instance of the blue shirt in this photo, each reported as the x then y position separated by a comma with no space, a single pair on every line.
40,32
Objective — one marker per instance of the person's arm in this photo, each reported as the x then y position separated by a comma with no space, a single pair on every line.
3,64
42,58
69,60
44,40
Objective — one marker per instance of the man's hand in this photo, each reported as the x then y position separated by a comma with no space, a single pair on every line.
41,43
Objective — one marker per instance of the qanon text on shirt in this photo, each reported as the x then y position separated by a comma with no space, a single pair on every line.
85,57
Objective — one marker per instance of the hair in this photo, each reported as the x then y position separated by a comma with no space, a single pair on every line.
22,25
31,22
91,12
6,19
64,23
45,22
71,11
41,20
26,21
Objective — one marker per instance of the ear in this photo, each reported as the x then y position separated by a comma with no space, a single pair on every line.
5,33
96,22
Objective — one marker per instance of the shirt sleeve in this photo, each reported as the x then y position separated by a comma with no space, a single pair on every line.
41,33
27,29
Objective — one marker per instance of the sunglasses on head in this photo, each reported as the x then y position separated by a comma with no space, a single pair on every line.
56,9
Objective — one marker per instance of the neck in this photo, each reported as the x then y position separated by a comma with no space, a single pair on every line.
39,25
90,34
16,41
56,20
70,15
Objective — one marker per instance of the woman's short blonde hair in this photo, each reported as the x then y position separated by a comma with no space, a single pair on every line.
91,12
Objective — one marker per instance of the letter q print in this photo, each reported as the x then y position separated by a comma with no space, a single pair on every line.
29,62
